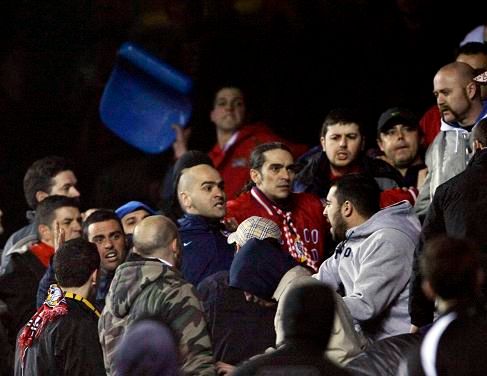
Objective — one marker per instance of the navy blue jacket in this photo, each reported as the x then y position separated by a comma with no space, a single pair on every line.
205,248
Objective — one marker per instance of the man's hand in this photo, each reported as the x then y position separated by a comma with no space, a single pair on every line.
230,224
59,236
180,146
224,368
413,329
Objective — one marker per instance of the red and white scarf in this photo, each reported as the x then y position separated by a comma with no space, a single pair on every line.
54,306
295,245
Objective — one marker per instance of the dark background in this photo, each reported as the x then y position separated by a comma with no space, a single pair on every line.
295,59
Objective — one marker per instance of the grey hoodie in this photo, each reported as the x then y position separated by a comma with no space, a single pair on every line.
373,267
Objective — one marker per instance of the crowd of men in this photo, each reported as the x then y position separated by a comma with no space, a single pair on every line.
329,256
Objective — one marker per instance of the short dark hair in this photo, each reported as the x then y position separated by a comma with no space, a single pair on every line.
479,132
46,209
100,215
451,265
75,261
40,175
361,190
342,116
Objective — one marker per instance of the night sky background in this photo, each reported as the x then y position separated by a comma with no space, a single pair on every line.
296,60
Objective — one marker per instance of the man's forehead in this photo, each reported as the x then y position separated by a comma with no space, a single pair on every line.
278,156
229,92
343,128
65,175
66,211
135,213
98,228
331,193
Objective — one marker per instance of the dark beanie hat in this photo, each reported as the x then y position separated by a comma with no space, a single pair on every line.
308,311
147,348
258,268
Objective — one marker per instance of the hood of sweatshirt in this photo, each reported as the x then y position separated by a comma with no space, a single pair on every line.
400,216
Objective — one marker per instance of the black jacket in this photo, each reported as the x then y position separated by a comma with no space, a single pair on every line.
238,329
458,210
18,287
315,175
69,345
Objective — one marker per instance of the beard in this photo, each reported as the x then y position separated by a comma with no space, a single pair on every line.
339,227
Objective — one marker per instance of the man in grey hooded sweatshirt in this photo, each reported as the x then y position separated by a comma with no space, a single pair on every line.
371,266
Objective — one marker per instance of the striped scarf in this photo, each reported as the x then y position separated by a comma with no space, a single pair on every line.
295,245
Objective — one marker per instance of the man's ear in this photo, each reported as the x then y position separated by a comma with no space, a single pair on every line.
41,195
322,142
255,176
94,277
380,144
184,199
347,209
428,290
362,143
174,246
472,89
45,234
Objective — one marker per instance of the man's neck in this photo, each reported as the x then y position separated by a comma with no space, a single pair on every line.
472,115
338,172
402,170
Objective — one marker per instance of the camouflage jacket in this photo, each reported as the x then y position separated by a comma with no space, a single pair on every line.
150,288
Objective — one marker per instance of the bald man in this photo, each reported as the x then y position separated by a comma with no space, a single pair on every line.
203,201
148,284
458,100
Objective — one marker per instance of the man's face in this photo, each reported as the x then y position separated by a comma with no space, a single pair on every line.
276,175
110,241
228,112
334,216
65,184
342,144
400,145
451,96
130,220
206,196
69,219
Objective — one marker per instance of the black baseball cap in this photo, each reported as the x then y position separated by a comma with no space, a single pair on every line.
396,115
